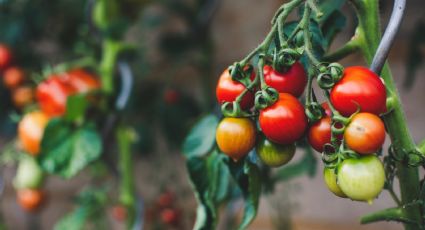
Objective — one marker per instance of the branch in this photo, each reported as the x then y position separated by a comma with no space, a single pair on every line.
421,147
390,214
348,48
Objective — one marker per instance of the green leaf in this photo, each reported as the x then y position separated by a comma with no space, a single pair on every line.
74,220
333,25
328,7
247,176
201,138
66,149
76,106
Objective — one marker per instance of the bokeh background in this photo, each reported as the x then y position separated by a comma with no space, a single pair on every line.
177,58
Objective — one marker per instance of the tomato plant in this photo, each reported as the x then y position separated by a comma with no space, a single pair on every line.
227,90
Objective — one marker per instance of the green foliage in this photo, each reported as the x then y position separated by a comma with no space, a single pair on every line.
76,106
67,149
201,138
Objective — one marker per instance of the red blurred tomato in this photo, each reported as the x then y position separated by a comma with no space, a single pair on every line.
13,77
228,90
319,133
22,96
30,199
119,213
359,87
285,121
170,216
365,134
166,199
171,96
292,81
52,95
30,131
81,80
5,56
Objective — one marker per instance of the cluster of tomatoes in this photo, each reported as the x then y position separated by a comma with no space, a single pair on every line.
349,124
165,211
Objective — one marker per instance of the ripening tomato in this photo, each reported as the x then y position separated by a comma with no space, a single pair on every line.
170,216
320,134
292,81
81,80
119,213
52,95
365,134
30,199
285,121
361,179
359,87
30,131
5,57
331,183
22,96
228,90
235,137
13,77
29,175
274,155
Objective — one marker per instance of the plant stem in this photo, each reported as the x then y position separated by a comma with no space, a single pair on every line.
390,214
350,47
369,36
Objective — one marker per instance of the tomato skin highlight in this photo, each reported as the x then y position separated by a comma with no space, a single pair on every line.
293,81
365,134
52,95
30,199
274,155
285,121
361,179
13,77
331,182
30,131
5,56
359,87
236,137
228,90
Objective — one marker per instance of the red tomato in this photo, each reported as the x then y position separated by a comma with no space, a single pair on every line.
359,87
319,133
22,96
31,130
285,121
327,109
5,56
30,199
170,216
365,134
81,80
228,90
13,77
293,81
52,95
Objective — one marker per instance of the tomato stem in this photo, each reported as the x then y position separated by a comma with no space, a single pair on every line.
348,48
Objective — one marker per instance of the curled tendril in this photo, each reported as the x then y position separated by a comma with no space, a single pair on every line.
233,109
285,58
314,112
329,75
337,128
241,74
266,97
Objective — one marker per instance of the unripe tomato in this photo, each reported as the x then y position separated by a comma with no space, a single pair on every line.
30,199
22,96
331,183
13,77
361,179
359,87
30,131
228,90
292,81
170,216
365,134
81,80
274,155
29,174
119,213
320,134
235,137
5,56
285,121
52,95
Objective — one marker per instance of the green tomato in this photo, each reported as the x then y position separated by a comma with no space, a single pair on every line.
361,179
274,155
330,180
29,174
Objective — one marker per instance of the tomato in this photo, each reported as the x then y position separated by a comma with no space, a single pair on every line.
5,56
274,155
292,81
331,183
365,134
170,216
30,199
166,199
228,90
171,96
285,121
328,111
28,175
22,96
359,87
320,134
30,131
235,137
361,179
52,95
81,80
13,77
119,213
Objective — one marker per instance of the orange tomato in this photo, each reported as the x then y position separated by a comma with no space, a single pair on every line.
30,199
13,77
22,96
30,131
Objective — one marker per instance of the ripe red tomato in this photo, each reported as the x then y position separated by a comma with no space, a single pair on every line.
13,77
81,80
228,90
285,121
293,81
359,87
319,133
365,134
30,131
170,216
22,96
52,95
5,56
30,199
235,137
